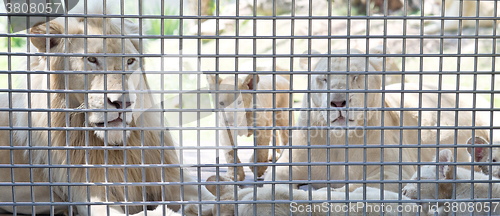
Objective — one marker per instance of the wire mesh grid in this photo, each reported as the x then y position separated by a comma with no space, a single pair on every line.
350,107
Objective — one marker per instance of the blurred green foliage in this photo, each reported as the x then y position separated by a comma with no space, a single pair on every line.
170,26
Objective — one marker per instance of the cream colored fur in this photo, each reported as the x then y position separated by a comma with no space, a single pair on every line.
246,118
295,201
69,144
355,118
450,190
377,63
481,153
455,9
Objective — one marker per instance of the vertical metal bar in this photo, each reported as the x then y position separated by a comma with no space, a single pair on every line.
403,69
346,149
328,137
382,120
236,68
364,102
162,98
28,87
49,122
217,68
143,153
292,33
105,101
309,41
457,105
254,123
11,123
492,96
66,86
86,102
420,80
474,88
440,81
275,82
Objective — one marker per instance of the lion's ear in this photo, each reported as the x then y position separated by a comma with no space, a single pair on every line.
480,153
378,62
41,28
248,82
304,61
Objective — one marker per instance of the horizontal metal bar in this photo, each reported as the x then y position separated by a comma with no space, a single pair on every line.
282,182
254,91
260,55
187,110
350,146
230,165
281,17
254,128
353,146
277,37
207,202
298,72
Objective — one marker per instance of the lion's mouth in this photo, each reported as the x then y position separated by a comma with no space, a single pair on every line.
341,119
114,123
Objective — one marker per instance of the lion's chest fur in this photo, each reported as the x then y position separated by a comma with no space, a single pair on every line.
94,167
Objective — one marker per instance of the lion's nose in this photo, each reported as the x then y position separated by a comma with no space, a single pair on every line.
337,103
118,104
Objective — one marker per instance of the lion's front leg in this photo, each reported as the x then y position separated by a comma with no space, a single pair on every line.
227,137
263,138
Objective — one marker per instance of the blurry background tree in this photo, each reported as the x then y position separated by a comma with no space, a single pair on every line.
206,7
377,6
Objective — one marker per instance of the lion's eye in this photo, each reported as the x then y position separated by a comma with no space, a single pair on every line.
354,77
92,60
130,61
324,80
221,103
239,102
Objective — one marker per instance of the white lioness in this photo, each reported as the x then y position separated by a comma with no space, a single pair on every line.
80,174
448,188
297,201
245,118
333,112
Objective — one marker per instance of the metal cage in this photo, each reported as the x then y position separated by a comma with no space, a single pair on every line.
345,107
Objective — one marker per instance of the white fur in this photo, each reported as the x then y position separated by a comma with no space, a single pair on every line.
59,137
447,189
356,119
296,201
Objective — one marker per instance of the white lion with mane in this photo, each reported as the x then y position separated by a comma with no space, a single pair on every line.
86,149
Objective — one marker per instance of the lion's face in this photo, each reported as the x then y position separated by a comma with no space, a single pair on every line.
234,104
115,103
112,110
234,109
345,108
